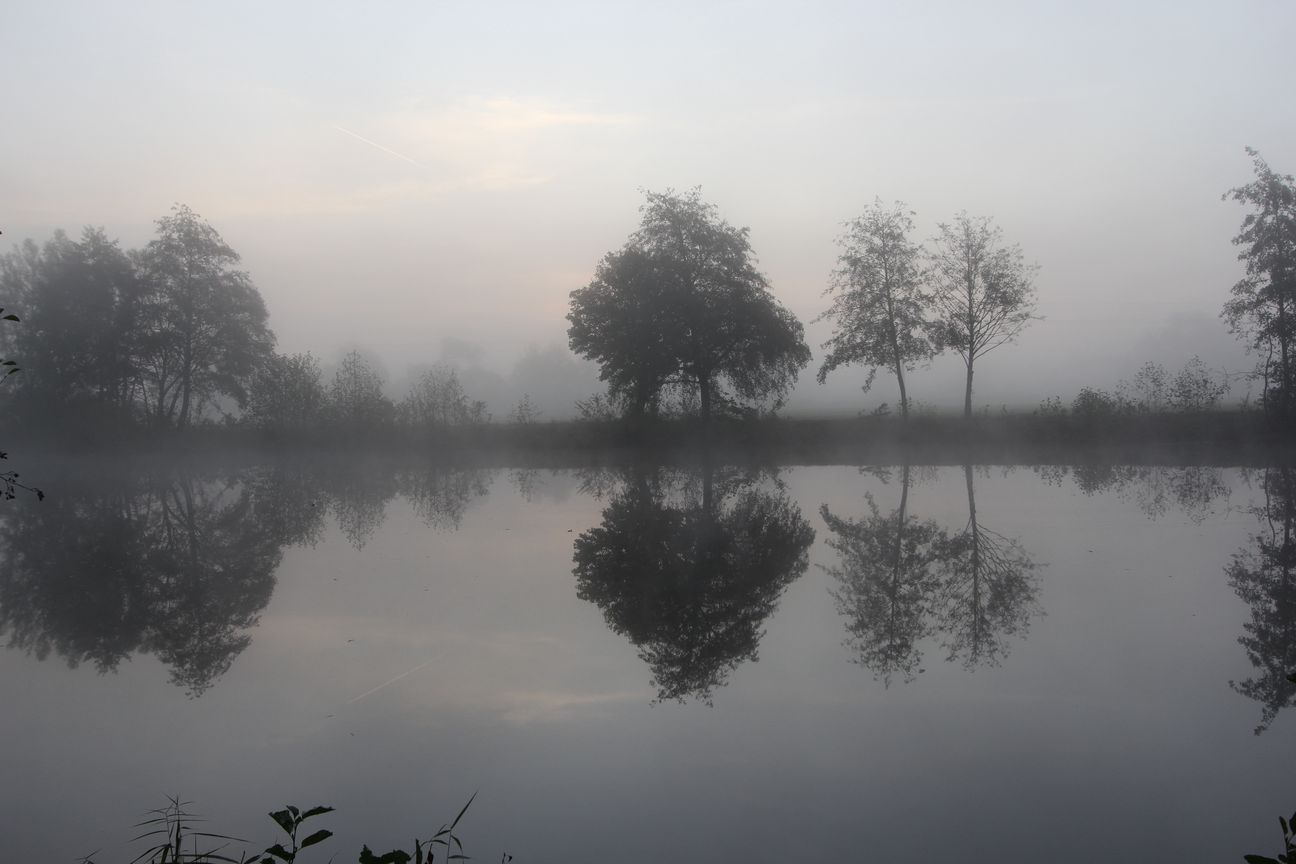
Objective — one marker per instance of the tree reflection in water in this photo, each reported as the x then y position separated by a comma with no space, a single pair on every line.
901,580
990,586
1195,490
886,582
1262,575
175,567
689,572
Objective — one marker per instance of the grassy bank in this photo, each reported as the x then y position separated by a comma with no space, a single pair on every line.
1214,437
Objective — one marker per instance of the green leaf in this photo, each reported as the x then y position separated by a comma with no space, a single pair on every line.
314,811
322,834
463,811
294,811
1292,677
284,820
280,852
11,318
1258,859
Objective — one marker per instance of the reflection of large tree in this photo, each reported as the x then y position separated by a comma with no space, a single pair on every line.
886,583
901,579
175,567
1264,576
990,589
690,583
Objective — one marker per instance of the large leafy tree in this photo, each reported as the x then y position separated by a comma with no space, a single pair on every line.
983,291
1263,307
879,301
82,302
682,304
205,331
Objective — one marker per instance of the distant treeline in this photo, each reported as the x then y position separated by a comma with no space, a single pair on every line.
679,321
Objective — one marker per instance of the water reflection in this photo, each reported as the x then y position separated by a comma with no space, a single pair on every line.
901,579
1262,575
886,583
1195,490
689,568
173,567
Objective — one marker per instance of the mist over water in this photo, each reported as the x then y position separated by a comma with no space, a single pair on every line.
599,650
685,431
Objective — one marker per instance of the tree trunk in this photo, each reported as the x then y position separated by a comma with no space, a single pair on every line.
704,396
967,395
899,370
1285,388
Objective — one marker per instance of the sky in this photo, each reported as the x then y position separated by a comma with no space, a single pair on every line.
397,174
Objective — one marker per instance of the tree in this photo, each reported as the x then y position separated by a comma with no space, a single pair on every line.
82,301
437,399
1263,307
879,305
287,393
205,330
983,291
356,398
682,303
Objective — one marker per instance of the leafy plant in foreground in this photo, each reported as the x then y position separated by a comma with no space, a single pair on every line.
290,820
1288,855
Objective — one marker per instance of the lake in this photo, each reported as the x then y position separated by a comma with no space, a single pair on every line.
645,663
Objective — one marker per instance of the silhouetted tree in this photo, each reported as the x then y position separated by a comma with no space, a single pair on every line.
887,584
989,591
1263,308
983,291
437,400
1264,576
683,303
204,323
356,399
879,303
287,394
83,303
691,585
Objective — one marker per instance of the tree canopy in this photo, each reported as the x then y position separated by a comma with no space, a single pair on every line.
683,305
1263,307
879,300
983,290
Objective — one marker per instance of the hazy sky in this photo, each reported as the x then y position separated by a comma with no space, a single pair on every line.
395,173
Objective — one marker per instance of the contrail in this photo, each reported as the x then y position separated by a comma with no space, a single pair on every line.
394,680
387,150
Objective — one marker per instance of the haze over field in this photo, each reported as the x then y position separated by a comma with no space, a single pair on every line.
398,176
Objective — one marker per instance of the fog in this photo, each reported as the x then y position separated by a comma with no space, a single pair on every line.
397,177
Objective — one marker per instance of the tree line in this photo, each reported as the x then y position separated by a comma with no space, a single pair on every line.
681,317
680,322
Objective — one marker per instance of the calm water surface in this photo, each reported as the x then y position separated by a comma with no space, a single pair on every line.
831,664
